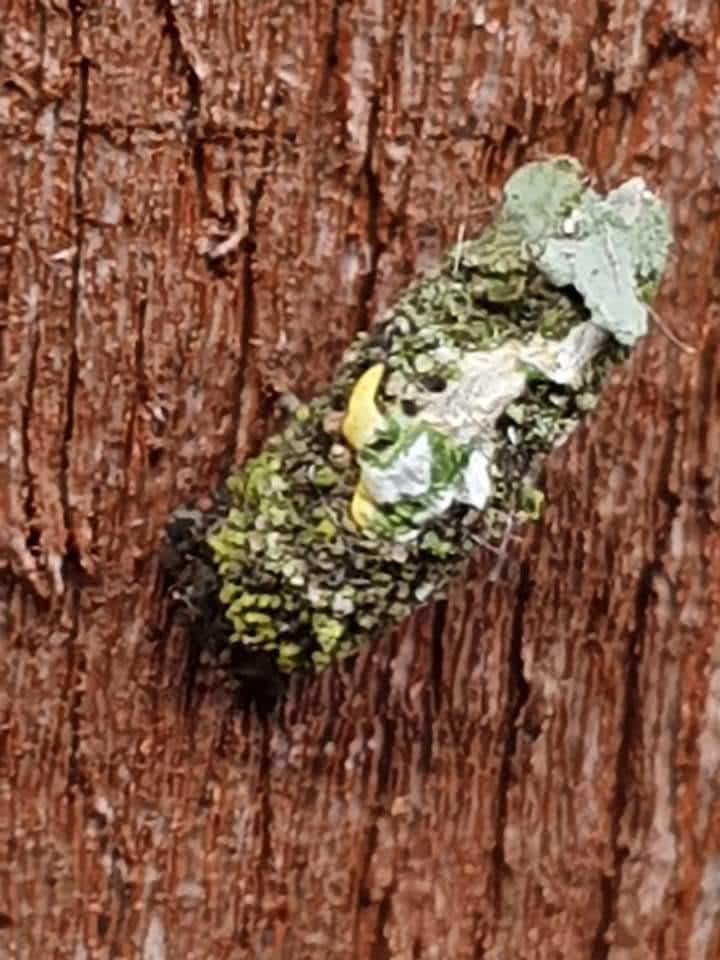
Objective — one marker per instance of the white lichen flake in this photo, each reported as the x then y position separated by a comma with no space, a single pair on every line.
608,246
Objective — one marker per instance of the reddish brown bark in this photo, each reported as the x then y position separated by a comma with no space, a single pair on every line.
200,204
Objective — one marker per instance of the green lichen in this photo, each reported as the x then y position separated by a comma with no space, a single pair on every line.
300,579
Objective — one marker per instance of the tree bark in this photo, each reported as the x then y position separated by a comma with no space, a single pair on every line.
201,204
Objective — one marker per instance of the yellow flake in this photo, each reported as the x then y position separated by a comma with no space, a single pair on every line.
362,507
363,416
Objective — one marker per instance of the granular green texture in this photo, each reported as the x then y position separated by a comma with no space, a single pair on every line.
486,366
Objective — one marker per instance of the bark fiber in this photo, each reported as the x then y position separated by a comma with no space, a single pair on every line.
201,203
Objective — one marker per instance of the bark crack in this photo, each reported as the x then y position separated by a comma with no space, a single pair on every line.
266,810
29,504
76,11
179,53
671,46
249,317
40,70
374,202
29,499
73,694
381,947
140,396
331,51
517,696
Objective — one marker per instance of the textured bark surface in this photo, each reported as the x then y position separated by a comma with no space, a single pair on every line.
200,204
